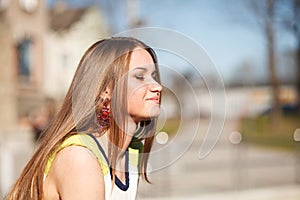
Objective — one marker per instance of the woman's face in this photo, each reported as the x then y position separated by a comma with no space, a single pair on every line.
143,90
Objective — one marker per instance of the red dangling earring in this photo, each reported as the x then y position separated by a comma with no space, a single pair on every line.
103,117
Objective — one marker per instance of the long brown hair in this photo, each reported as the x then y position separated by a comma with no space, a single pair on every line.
103,65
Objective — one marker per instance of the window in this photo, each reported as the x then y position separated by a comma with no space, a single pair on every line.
24,60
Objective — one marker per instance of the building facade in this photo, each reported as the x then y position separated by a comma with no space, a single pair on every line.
23,27
40,51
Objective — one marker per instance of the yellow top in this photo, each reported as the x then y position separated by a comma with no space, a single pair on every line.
88,142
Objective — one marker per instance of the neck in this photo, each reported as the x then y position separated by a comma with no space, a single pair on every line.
131,128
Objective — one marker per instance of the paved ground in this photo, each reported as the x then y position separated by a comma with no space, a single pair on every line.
16,148
231,171
289,192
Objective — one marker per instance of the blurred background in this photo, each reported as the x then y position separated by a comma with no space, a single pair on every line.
255,46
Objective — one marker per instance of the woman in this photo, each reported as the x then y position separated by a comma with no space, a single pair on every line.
99,142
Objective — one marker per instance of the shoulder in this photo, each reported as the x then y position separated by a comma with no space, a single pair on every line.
75,156
80,140
76,171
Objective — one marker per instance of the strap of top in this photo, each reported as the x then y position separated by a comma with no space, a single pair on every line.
134,150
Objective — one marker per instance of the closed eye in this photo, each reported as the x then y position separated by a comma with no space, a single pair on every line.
139,77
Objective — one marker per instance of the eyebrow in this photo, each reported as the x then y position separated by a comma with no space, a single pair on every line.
141,68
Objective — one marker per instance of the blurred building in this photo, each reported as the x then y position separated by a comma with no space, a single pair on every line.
71,32
23,27
40,51
41,48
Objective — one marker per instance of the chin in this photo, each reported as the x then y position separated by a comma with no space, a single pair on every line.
154,112
148,116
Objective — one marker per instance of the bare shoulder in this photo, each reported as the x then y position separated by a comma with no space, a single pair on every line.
76,155
77,174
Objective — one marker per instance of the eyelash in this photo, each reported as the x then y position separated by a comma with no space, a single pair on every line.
140,77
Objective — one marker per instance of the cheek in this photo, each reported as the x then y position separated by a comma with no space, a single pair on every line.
136,100
135,97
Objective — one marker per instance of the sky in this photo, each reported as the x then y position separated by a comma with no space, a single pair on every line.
228,32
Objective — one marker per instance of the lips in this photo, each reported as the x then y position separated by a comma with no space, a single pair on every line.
153,99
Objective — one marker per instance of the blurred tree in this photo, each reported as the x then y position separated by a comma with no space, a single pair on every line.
269,28
289,18
295,25
265,15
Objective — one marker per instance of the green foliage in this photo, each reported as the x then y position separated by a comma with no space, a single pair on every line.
261,131
171,126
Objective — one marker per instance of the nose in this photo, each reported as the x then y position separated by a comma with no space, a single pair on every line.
155,87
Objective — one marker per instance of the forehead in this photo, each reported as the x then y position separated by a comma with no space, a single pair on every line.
140,58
